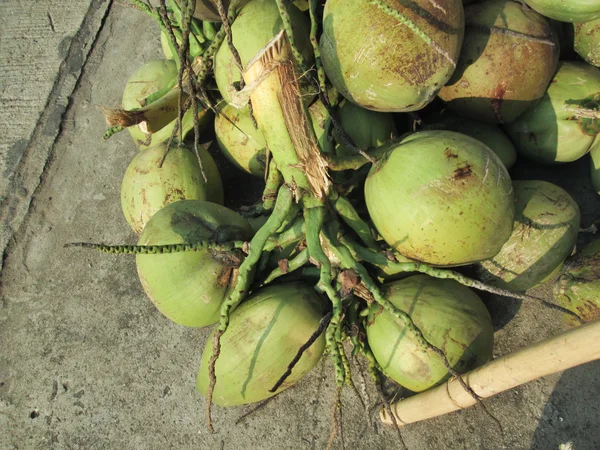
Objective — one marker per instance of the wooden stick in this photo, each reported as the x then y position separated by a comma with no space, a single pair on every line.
561,352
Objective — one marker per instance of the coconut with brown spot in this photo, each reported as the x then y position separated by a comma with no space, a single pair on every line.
507,60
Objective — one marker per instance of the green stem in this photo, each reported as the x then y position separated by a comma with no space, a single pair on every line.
314,27
292,235
293,264
112,131
349,215
315,219
160,249
287,25
272,183
280,211
208,28
348,262
355,162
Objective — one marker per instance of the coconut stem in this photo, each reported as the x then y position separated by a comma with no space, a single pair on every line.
160,249
287,26
292,235
314,27
351,218
315,220
289,266
355,162
283,205
272,183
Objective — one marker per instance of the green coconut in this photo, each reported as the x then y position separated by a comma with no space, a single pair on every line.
490,134
376,61
239,141
501,74
147,186
366,128
578,288
557,130
147,80
441,197
264,334
544,235
255,25
189,287
595,165
245,146
567,10
587,41
450,316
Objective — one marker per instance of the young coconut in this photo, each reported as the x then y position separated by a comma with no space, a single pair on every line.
189,287
264,334
567,10
432,179
563,126
490,134
256,24
368,129
507,60
450,316
245,146
157,177
389,56
544,235
578,288
151,78
587,41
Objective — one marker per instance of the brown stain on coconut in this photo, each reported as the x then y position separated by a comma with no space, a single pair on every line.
497,100
449,154
462,172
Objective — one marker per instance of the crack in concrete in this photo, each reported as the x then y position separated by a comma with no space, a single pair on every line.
54,110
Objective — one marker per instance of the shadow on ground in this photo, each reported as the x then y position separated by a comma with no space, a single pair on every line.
564,420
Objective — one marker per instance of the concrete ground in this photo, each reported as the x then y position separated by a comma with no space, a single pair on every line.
85,359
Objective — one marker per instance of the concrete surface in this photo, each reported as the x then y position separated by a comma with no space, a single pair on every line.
87,362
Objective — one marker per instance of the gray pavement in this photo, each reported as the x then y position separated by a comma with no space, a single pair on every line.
87,362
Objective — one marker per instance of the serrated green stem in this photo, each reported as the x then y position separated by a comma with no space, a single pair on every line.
287,26
315,219
348,262
314,27
282,207
159,249
240,291
110,132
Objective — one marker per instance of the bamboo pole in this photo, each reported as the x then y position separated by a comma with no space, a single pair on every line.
558,353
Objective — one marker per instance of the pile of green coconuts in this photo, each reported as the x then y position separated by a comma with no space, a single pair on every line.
417,111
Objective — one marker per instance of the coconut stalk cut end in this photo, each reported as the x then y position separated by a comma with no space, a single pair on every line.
282,117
